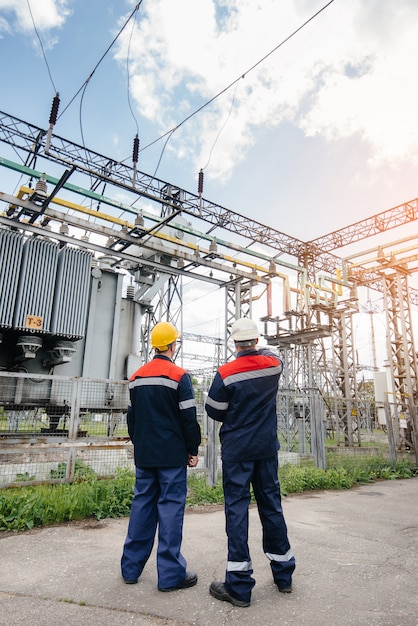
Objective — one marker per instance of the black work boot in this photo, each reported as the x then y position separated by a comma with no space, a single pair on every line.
217,590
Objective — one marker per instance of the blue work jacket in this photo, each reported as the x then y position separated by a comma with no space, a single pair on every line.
161,415
243,397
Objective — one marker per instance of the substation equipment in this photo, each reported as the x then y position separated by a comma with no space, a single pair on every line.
93,252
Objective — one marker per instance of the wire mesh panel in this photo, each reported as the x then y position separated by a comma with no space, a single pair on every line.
27,464
103,407
61,406
65,462
58,429
103,460
34,405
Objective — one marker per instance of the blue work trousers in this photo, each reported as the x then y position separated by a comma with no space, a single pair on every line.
159,500
262,474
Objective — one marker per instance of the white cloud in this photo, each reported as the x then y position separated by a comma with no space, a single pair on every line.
347,73
375,99
47,14
4,26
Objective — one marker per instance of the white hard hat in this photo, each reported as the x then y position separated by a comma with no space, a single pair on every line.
244,329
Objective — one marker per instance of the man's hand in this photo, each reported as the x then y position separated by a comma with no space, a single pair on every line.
192,460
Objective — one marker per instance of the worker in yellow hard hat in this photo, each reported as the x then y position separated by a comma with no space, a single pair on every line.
162,335
163,428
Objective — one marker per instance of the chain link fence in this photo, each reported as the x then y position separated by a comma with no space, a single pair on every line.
57,429
53,428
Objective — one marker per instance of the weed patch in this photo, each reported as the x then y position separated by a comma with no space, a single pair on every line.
23,508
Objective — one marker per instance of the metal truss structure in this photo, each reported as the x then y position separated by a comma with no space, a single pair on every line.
152,235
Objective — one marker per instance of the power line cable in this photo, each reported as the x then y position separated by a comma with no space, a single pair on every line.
221,129
42,47
172,130
49,74
86,82
128,76
80,119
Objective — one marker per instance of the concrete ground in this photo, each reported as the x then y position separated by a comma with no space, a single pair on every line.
357,564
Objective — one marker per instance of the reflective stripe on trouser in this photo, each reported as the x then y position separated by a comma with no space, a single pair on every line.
159,498
237,478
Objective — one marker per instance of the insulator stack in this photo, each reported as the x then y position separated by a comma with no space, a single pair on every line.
135,152
200,183
54,110
139,220
52,119
41,186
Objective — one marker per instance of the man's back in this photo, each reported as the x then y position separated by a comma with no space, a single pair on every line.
243,397
162,416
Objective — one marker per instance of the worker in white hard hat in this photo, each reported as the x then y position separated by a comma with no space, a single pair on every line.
166,436
243,398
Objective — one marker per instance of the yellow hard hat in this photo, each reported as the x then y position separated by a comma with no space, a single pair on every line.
162,335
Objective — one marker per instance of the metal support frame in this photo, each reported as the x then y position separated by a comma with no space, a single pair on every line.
232,312
345,387
402,354
306,324
170,308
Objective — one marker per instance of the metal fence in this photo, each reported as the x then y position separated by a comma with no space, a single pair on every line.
56,428
53,428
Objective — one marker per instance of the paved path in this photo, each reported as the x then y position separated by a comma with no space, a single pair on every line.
357,564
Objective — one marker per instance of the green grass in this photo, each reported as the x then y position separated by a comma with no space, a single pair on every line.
298,479
23,508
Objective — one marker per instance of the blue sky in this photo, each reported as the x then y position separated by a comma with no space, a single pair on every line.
321,134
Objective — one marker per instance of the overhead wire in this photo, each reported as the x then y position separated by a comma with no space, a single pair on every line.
242,76
214,319
129,77
47,67
168,134
84,85
42,47
87,81
222,128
